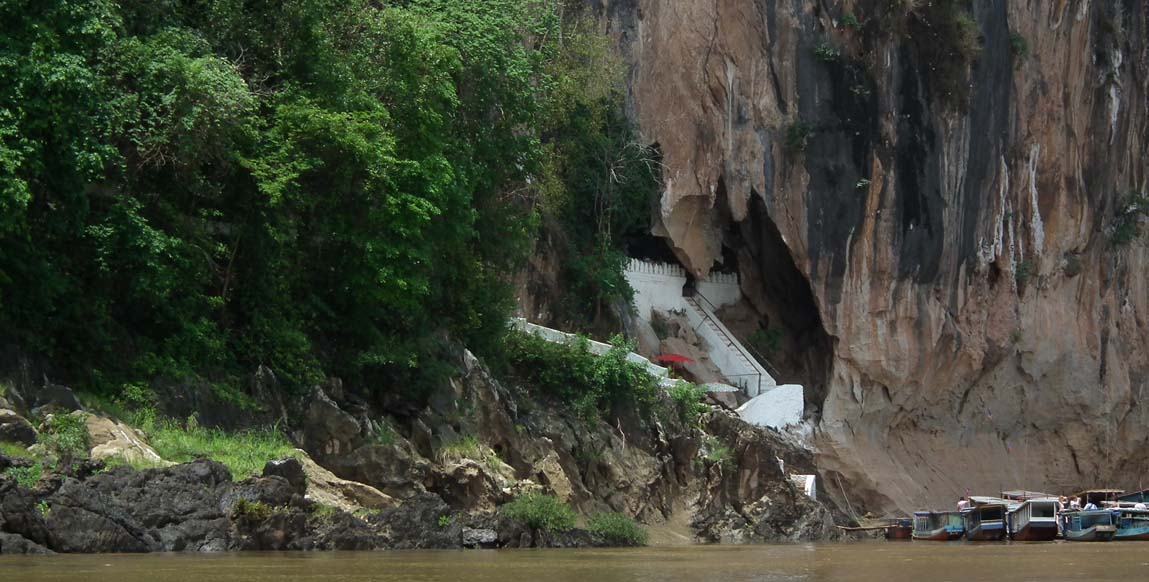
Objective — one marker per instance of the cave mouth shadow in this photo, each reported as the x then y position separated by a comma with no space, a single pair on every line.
786,301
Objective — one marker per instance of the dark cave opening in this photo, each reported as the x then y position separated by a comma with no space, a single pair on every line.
786,303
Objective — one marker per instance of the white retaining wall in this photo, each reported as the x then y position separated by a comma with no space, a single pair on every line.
658,286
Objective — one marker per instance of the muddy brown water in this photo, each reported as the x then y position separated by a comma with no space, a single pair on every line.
863,561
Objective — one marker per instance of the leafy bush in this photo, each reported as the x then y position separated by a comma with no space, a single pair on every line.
827,52
851,22
798,135
253,510
68,437
591,384
1023,272
1126,226
617,529
27,477
541,512
687,399
1018,45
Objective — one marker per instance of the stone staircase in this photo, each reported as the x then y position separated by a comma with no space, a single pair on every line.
728,354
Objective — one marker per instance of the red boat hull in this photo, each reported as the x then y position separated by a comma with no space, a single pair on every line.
899,533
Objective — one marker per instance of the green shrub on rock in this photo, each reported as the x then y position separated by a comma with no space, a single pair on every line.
617,529
68,437
687,400
590,384
541,512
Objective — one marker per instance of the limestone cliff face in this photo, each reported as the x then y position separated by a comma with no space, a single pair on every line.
934,236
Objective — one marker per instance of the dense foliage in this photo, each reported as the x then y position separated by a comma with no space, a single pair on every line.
617,529
541,512
591,385
319,186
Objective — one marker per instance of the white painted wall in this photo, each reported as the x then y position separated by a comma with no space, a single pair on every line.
657,286
807,483
779,407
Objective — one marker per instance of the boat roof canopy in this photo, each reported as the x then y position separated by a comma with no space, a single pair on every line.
1023,495
1098,492
1135,496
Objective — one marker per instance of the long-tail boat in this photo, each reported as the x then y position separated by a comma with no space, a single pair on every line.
1033,520
1088,526
938,525
1132,524
984,522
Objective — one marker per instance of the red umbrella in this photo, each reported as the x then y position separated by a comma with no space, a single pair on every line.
673,358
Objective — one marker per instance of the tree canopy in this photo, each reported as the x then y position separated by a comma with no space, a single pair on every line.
319,186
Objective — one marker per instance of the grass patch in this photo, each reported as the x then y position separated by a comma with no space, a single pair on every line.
541,512
384,434
618,529
718,453
466,447
244,453
15,451
324,512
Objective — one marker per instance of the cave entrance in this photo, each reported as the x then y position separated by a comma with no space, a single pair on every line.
789,333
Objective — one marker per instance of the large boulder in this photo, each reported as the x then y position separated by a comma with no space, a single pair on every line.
395,469
15,428
323,487
114,439
12,544
329,430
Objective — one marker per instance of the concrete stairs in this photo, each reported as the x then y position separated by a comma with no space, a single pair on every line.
728,354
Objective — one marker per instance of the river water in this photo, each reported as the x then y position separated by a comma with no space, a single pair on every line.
861,561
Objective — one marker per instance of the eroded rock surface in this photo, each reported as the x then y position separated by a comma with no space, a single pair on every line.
942,264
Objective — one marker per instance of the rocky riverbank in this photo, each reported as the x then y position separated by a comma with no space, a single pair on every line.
440,477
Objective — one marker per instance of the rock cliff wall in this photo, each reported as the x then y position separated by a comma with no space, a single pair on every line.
925,195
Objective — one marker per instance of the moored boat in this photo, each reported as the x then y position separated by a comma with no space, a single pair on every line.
900,529
985,523
1033,520
1088,526
938,525
1132,524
